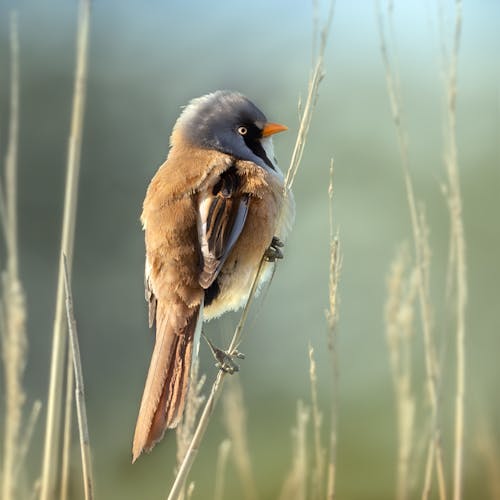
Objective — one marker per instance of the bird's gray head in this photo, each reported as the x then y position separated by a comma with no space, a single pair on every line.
228,122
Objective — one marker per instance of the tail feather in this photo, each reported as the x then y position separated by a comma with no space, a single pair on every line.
166,385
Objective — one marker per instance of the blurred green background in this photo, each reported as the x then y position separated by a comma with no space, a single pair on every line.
146,60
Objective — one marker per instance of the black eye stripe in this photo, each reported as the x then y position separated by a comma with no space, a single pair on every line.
251,130
257,149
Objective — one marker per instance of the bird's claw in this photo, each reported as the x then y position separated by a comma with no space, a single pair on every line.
225,360
228,366
273,252
238,354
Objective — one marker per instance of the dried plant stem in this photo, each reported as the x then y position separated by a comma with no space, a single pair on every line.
399,317
220,474
11,156
17,435
81,411
295,487
186,428
457,248
420,243
25,444
13,335
68,417
235,423
332,318
312,95
52,432
317,417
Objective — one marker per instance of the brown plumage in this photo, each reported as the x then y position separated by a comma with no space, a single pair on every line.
208,217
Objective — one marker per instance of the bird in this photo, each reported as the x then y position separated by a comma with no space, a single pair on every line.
212,210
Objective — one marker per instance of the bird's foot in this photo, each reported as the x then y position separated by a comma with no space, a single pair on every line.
225,359
273,252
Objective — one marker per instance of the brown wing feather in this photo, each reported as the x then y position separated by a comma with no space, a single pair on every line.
221,217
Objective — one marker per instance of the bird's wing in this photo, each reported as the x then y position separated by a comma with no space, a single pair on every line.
222,211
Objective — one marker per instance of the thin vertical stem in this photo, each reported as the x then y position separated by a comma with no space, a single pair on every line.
26,441
220,472
233,407
319,452
12,149
332,317
68,417
52,429
312,95
81,411
13,305
458,242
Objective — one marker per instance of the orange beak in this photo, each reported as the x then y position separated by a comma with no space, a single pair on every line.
273,128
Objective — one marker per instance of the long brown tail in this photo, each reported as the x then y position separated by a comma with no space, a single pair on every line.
166,385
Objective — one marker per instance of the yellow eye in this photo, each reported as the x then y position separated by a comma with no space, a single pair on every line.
242,130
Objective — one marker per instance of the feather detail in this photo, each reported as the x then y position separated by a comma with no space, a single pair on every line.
222,211
166,385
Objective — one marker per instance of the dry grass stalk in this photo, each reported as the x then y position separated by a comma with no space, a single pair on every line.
315,27
13,306
434,451
14,345
28,434
10,209
68,420
332,319
318,472
185,429
399,318
236,427
295,486
312,96
420,243
220,473
52,429
81,412
216,389
458,251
